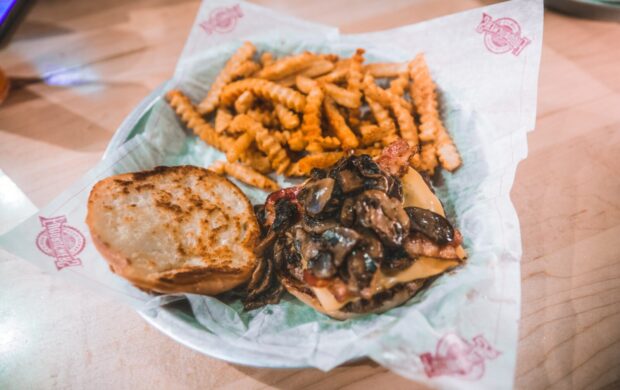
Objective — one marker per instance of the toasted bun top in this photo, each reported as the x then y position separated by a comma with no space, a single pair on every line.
174,228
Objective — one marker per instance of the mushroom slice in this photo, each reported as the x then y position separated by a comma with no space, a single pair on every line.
315,195
339,241
384,215
430,224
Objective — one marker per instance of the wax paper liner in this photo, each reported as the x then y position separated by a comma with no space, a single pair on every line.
459,333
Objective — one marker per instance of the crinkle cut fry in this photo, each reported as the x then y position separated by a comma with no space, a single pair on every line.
287,66
406,125
265,89
245,69
339,125
311,123
223,117
319,144
398,85
289,120
385,122
371,133
448,155
250,176
342,96
218,167
316,68
385,69
428,158
194,121
354,78
297,141
244,102
423,93
257,160
315,160
249,127
265,117
210,102
380,95
266,59
336,75
372,152
269,144
354,84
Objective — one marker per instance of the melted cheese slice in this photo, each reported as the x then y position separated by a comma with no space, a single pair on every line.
416,194
422,268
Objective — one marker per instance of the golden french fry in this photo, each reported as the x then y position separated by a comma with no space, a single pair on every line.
265,117
339,125
311,124
241,145
305,84
372,152
428,158
245,69
286,66
406,125
447,153
385,122
248,127
342,96
329,57
264,89
271,146
257,160
218,167
280,136
354,84
354,78
371,134
266,59
210,102
316,68
432,132
248,175
424,96
386,69
398,85
323,143
244,102
380,95
223,117
194,121
288,120
335,76
316,160
297,142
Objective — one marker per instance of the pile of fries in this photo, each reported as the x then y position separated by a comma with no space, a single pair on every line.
305,111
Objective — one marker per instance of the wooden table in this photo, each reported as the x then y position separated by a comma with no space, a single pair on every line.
567,194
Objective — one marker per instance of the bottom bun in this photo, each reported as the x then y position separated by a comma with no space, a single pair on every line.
379,303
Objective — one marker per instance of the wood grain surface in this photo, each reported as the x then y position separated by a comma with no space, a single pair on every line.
105,56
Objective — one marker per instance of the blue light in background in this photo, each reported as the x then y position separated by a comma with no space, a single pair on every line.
5,8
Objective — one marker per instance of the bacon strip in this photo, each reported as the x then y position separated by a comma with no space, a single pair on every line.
395,157
418,245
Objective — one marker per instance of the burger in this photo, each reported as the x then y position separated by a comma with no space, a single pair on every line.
362,236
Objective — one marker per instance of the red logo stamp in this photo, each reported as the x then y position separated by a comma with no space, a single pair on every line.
222,20
455,356
60,241
502,35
